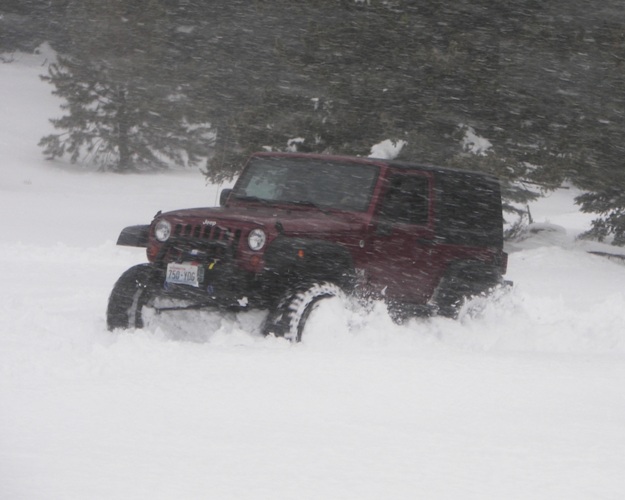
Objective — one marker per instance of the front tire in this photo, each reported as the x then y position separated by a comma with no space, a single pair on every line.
288,318
133,290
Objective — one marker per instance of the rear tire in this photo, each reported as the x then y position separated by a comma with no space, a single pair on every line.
288,318
460,284
133,290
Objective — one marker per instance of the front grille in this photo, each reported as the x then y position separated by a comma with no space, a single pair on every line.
202,242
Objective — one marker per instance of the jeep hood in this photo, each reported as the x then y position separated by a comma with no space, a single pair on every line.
294,222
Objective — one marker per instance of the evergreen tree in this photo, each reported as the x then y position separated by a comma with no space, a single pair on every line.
601,168
127,107
26,24
377,70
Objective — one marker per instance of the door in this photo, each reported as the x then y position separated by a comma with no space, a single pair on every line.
401,244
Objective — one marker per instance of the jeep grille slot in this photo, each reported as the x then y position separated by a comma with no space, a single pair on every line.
212,242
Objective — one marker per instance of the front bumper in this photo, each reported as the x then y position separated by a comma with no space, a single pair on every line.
222,285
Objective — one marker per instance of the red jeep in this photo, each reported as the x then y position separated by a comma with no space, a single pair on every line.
297,228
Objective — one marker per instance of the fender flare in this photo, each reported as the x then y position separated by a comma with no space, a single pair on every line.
306,259
461,280
134,236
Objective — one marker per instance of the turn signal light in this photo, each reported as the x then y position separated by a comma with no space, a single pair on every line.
255,260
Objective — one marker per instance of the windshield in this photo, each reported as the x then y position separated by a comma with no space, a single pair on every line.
308,181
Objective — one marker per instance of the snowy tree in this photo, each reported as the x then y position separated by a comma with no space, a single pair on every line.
26,24
376,70
126,103
600,169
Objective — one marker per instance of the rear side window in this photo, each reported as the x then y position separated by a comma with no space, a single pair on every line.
407,199
469,209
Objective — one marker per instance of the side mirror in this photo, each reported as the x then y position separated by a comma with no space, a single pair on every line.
223,196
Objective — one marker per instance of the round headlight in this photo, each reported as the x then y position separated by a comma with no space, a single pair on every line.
162,230
256,239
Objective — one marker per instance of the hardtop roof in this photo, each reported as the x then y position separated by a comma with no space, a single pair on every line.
401,164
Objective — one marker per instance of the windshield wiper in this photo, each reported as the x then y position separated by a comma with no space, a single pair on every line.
302,203
306,203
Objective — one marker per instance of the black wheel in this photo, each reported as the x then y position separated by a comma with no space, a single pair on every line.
461,284
448,298
288,318
134,289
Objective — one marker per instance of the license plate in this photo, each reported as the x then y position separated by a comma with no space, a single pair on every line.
183,274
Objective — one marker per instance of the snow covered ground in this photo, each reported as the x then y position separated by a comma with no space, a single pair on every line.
522,398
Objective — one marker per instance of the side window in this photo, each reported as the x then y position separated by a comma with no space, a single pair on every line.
406,200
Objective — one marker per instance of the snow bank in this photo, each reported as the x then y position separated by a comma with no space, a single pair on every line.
387,149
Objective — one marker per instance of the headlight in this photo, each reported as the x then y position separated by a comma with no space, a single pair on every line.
162,230
256,239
